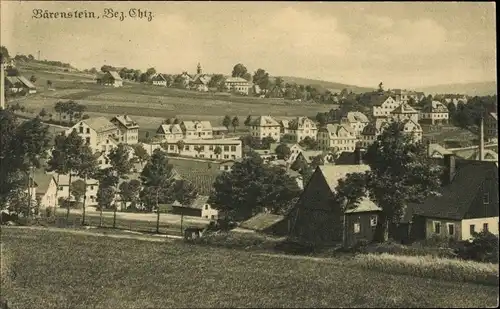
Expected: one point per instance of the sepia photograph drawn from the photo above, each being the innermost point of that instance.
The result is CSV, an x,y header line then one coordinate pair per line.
x,y
248,154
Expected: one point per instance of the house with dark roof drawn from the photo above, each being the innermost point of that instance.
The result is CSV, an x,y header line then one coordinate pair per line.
x,y
383,105
19,83
265,223
467,202
198,208
317,217
110,78
128,129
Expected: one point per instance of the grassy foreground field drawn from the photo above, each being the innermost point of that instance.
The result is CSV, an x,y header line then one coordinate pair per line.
x,y
44,269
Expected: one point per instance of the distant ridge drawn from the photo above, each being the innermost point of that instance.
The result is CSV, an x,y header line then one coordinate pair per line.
x,y
326,85
472,89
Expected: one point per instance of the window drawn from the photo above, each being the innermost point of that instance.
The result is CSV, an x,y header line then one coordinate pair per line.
x,y
100,161
437,227
81,129
60,188
485,227
357,228
87,140
206,207
226,148
373,220
91,187
211,148
88,130
226,156
233,148
486,198
451,229
186,147
213,217
172,147
226,167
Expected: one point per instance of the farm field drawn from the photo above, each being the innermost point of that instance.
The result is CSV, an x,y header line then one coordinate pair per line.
x,y
59,270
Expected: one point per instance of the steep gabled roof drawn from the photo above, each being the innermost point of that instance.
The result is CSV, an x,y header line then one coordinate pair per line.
x,y
42,180
334,129
125,120
26,82
378,100
159,77
404,108
356,117
236,80
455,199
115,75
264,121
261,221
99,124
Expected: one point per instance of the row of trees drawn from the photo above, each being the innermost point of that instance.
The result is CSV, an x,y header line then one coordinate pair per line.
x,y
469,115
71,108
234,122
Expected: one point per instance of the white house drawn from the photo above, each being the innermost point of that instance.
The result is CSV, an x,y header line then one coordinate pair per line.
x,y
412,128
356,120
404,111
92,188
171,132
128,130
237,84
46,189
383,105
302,127
435,113
228,148
371,131
197,129
264,126
338,136
159,80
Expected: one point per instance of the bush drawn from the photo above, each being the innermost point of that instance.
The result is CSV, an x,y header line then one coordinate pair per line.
x,y
294,246
391,247
483,248
234,240
430,267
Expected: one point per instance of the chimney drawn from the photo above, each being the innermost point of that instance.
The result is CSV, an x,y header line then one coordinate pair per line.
x,y
449,166
481,140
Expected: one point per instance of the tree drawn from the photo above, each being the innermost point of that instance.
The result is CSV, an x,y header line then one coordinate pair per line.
x,y
144,77
87,167
247,76
198,149
400,173
177,120
78,189
33,79
251,187
248,120
227,121
184,192
216,81
322,119
235,122
121,166
42,113
157,176
105,196
239,70
261,78
279,82
60,108
217,151
150,72
283,152
250,141
168,121
66,158
134,188
34,142
267,141
309,143
4,52
140,153
180,145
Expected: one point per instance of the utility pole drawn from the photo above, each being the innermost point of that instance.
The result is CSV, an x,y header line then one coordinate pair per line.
x,y
2,83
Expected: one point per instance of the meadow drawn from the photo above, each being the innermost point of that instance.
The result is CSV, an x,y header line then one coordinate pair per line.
x,y
45,269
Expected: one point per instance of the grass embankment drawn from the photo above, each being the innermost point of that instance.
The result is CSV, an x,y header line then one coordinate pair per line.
x,y
58,270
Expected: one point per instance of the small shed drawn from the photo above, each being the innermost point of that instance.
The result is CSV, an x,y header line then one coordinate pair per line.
x,y
267,223
361,222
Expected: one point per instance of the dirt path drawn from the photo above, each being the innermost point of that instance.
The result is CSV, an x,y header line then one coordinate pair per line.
x,y
134,235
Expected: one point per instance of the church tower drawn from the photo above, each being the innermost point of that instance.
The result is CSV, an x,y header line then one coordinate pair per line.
x,y
198,69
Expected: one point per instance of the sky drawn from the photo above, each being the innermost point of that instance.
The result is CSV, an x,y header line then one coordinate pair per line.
x,y
404,45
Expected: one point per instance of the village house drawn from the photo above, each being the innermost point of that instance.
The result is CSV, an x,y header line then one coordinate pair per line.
x,y
159,80
128,130
434,113
46,189
284,126
197,208
416,96
265,223
228,148
401,96
371,131
171,132
219,131
100,134
338,136
264,126
437,151
356,120
491,126
404,111
237,84
317,218
413,128
110,78
467,202
197,129
300,128
19,83
307,156
186,79
63,189
383,105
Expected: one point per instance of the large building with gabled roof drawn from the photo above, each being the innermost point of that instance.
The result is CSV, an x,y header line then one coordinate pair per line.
x,y
264,126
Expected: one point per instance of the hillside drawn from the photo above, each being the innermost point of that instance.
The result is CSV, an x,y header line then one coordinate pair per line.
x,y
472,89
332,86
